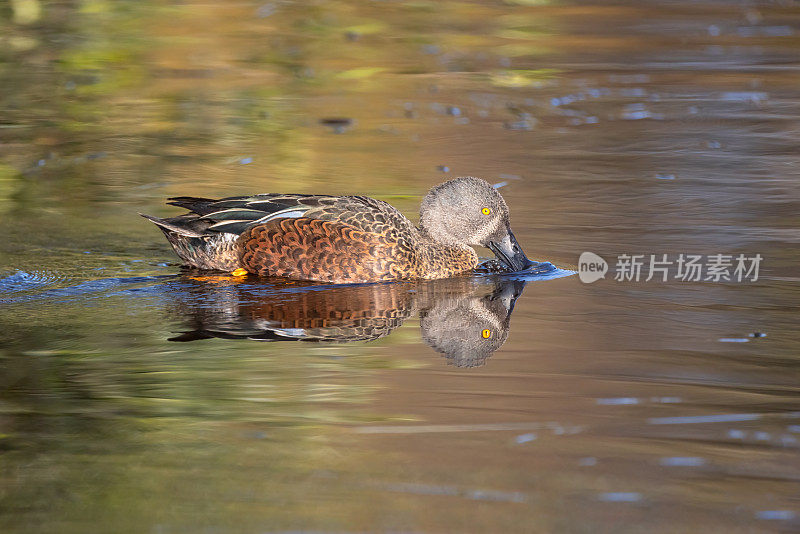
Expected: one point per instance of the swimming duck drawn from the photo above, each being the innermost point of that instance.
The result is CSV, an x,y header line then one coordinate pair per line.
x,y
345,239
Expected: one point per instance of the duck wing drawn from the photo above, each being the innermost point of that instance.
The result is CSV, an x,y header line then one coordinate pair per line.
x,y
234,215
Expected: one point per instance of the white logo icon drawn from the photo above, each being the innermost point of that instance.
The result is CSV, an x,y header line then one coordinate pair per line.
x,y
591,267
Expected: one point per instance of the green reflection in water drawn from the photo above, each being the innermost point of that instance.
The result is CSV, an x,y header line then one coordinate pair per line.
x,y
243,435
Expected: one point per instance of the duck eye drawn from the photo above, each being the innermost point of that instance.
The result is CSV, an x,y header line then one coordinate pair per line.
x,y
486,334
486,211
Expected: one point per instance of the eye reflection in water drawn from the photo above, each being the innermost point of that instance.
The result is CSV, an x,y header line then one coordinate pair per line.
x,y
468,328
465,318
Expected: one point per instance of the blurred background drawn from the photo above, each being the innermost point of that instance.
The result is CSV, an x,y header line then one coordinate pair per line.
x,y
618,127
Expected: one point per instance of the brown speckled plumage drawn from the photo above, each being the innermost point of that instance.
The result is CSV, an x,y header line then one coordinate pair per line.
x,y
331,251
339,239
320,250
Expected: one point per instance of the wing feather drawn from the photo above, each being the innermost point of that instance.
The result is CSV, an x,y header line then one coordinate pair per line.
x,y
235,215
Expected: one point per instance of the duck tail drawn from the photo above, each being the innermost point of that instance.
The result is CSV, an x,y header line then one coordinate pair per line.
x,y
171,225
198,205
197,249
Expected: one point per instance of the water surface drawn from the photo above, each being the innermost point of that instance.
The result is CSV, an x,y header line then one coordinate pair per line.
x,y
137,398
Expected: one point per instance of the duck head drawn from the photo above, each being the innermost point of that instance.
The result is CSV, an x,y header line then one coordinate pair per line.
x,y
469,211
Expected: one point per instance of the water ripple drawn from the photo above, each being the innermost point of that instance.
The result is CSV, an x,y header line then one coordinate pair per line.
x,y
21,281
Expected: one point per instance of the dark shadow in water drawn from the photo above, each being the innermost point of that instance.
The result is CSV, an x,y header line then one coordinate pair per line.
x,y
465,318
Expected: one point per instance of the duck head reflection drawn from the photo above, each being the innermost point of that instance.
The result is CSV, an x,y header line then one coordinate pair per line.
x,y
466,318
468,327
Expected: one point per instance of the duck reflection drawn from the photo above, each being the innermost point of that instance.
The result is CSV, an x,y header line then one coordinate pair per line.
x,y
287,311
466,319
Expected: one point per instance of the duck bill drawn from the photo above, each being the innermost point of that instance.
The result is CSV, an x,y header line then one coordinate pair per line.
x,y
510,253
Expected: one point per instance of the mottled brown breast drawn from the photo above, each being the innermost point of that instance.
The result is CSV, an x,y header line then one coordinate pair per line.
x,y
326,251
436,260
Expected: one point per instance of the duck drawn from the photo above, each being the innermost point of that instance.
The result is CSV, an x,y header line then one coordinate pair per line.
x,y
345,239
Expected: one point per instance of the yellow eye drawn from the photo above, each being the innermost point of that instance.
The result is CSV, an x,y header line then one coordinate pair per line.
x,y
486,334
486,211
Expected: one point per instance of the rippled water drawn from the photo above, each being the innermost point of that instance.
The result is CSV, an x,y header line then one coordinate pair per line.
x,y
138,398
